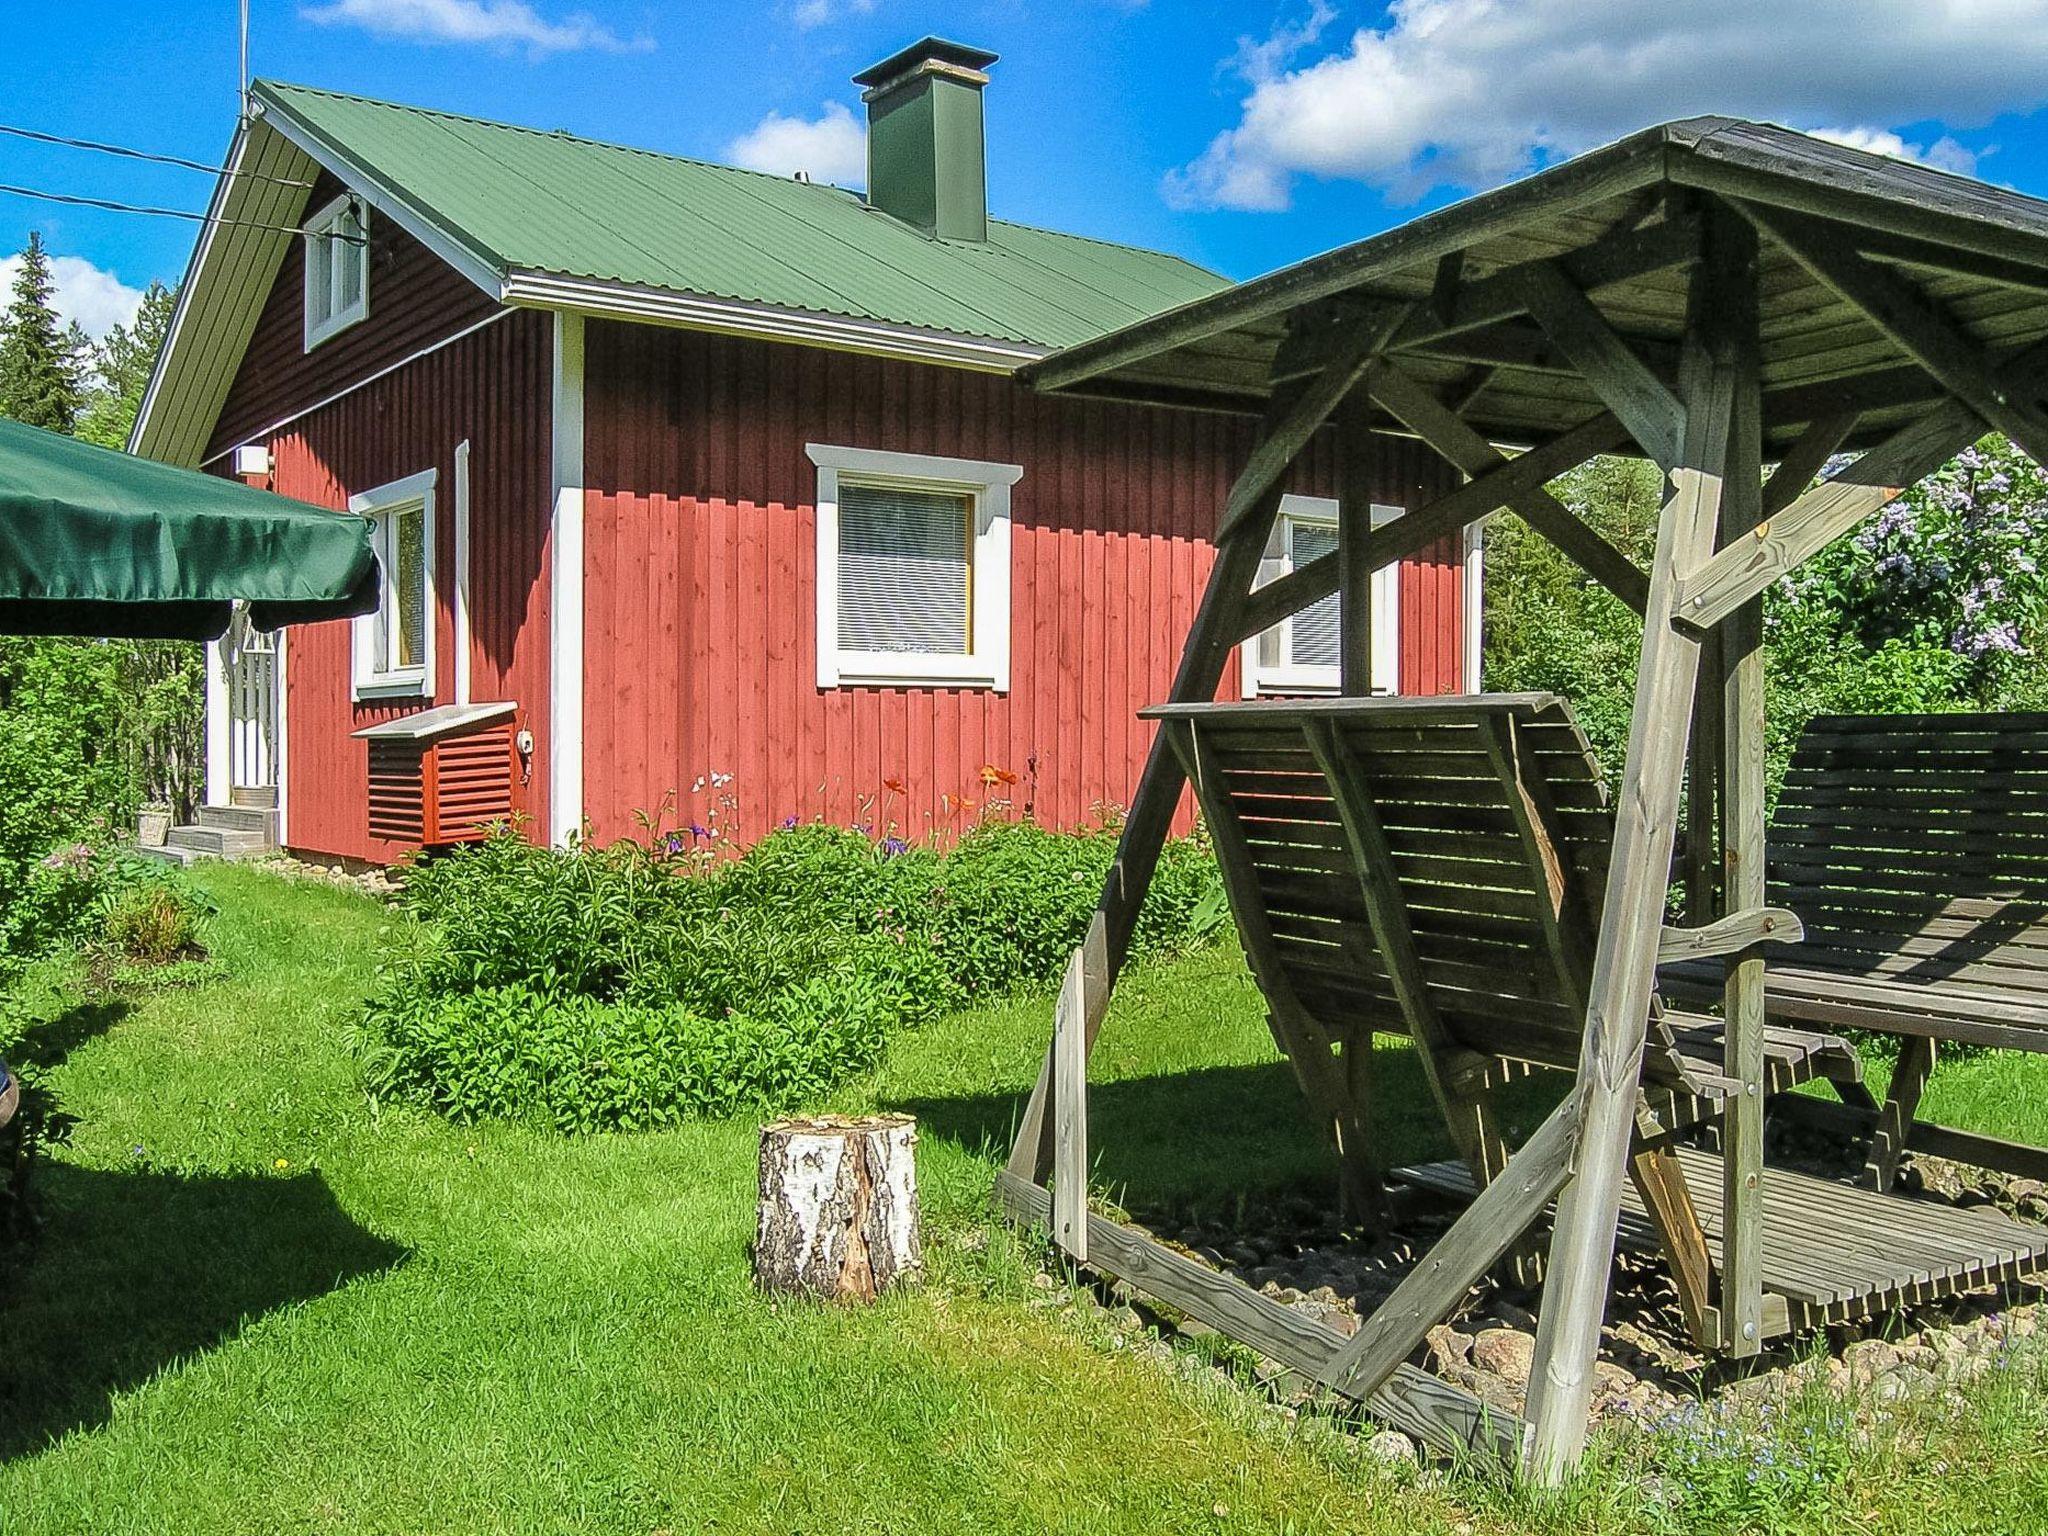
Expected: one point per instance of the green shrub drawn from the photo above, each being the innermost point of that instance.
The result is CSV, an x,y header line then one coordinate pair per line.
x,y
637,983
152,924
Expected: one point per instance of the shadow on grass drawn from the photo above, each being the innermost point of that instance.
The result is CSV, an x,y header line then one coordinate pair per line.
x,y
136,1271
1215,1140
46,1043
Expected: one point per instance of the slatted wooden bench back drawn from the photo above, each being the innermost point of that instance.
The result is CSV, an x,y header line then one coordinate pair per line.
x,y
1474,827
1915,849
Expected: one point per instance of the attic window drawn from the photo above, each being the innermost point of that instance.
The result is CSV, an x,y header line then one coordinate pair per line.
x,y
337,269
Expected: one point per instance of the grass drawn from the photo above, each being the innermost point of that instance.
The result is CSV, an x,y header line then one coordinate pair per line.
x,y
260,1305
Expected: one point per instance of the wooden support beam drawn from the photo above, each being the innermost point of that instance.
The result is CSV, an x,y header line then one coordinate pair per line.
x,y
1742,570
1212,636
1660,1181
1495,1221
1449,1420
1420,527
1303,418
1915,322
1563,914
2009,1157
1358,467
1730,935
1737,652
1087,975
1888,1138
1806,458
1440,427
1305,1042
1387,912
1631,919
1623,380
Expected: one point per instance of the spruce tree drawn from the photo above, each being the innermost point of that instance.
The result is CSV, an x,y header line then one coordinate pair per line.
x,y
39,381
124,362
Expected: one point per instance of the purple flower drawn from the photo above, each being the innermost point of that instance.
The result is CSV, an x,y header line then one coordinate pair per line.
x,y
891,846
698,831
788,822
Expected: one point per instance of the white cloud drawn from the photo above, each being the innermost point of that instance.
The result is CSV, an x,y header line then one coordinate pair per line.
x,y
815,13
495,23
832,146
95,298
1944,154
1468,93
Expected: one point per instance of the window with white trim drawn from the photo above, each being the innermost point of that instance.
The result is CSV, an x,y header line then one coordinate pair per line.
x,y
1301,654
337,268
394,647
913,569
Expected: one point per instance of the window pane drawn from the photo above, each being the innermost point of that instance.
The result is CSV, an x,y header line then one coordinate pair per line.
x,y
905,564
1312,633
409,587
348,259
319,277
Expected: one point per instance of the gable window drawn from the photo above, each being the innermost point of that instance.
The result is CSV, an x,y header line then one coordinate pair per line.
x,y
337,268
913,569
1302,653
394,647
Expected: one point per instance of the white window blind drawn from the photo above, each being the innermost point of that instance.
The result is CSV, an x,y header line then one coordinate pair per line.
x,y
1312,634
906,570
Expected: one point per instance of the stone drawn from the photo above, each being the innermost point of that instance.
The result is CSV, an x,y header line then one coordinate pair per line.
x,y
1448,1347
1392,1447
1868,1359
1505,1353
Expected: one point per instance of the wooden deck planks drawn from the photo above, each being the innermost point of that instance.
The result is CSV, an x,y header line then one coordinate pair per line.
x,y
1829,1246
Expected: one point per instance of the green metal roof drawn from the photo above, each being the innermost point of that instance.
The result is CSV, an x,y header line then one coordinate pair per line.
x,y
522,200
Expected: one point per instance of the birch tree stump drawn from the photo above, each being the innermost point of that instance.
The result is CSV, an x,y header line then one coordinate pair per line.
x,y
839,1217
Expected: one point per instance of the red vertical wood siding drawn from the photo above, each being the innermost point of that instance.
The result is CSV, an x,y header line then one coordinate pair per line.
x,y
492,388
416,299
701,570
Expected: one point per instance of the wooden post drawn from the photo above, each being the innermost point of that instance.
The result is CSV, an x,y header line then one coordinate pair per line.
x,y
839,1218
1631,920
1901,1105
1240,544
1085,973
1354,535
1737,649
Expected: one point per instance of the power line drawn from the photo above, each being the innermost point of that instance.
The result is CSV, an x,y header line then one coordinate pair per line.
x,y
73,200
40,137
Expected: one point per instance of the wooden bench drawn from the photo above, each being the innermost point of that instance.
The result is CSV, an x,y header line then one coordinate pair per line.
x,y
1914,848
1434,867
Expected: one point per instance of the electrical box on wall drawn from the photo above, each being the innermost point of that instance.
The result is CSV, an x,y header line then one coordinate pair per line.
x,y
441,776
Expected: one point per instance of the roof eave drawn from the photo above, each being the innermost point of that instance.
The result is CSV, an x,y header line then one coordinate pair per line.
x,y
1619,168
452,244
735,317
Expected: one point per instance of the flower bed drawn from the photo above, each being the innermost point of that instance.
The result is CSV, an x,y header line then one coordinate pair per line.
x,y
639,984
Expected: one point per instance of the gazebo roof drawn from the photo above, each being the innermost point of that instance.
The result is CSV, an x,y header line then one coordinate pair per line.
x,y
1614,221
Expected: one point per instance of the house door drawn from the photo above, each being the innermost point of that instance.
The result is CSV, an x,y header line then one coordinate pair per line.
x,y
252,706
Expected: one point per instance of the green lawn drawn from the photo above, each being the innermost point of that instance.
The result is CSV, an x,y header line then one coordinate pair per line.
x,y
261,1306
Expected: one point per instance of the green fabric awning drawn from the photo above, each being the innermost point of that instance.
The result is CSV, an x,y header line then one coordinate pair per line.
x,y
94,542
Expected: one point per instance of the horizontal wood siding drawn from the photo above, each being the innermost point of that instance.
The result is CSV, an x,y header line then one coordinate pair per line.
x,y
701,617
416,299
493,389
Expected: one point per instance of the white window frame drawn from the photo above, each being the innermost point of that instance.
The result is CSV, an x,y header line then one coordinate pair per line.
x,y
987,662
1287,678
368,681
323,270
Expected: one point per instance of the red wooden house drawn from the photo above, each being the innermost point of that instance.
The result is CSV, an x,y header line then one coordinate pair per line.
x,y
703,485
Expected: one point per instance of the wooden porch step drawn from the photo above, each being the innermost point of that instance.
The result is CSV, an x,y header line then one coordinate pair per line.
x,y
1832,1250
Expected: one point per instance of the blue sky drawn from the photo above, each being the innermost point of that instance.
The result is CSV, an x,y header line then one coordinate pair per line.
x,y
1240,135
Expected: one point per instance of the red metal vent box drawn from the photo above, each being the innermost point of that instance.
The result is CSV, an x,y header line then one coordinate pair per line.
x,y
441,776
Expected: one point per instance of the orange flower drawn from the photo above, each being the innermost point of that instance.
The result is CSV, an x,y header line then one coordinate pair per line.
x,y
991,775
895,786
954,803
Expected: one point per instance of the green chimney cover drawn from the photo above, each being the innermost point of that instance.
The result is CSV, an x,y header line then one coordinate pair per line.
x,y
926,162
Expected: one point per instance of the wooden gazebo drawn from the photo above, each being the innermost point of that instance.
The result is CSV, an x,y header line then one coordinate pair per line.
x,y
1717,296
